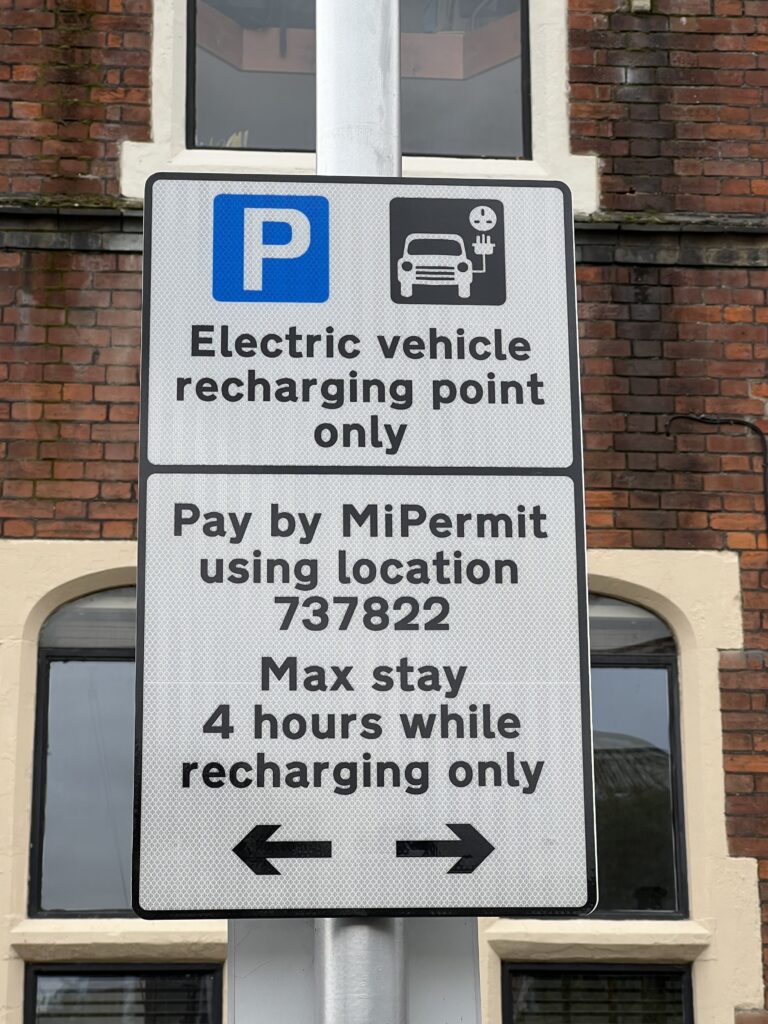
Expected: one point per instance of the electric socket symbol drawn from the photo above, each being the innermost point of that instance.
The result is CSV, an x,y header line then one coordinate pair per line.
x,y
482,218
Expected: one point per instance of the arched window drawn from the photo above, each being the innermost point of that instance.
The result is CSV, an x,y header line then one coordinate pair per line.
x,y
638,796
640,849
83,788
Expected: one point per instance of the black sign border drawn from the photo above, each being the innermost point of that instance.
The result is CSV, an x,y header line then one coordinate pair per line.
x,y
575,472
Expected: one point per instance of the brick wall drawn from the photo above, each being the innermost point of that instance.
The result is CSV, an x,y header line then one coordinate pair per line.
x,y
674,102
744,689
657,340
74,77
69,393
675,322
660,340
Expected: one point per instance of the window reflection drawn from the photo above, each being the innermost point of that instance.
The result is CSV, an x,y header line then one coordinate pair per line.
x,y
87,813
617,627
618,996
463,76
104,619
173,997
633,789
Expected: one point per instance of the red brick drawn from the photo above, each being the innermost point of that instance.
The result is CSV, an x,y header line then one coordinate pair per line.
x,y
116,510
66,489
75,411
118,531
17,528
68,529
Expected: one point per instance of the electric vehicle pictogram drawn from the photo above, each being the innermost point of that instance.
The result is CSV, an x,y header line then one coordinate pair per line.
x,y
434,260
431,259
447,251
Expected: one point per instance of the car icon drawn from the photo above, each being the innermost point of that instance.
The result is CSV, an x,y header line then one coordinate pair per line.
x,y
434,260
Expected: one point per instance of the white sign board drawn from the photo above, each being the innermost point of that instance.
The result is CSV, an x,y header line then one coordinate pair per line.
x,y
363,667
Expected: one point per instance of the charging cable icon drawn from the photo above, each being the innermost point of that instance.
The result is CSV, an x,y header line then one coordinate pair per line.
x,y
482,219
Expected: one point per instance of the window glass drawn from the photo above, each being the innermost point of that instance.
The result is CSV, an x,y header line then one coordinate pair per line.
x,y
463,77
617,626
87,812
608,996
104,619
463,67
83,808
638,832
125,997
633,789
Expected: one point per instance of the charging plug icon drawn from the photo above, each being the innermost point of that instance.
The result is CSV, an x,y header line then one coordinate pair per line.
x,y
483,219
483,246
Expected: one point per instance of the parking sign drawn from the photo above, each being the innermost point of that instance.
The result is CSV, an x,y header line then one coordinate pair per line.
x,y
269,248
362,659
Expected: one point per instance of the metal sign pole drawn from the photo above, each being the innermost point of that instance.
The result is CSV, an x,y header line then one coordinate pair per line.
x,y
359,970
358,88
359,963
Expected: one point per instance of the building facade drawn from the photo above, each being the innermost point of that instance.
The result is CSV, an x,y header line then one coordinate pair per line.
x,y
654,112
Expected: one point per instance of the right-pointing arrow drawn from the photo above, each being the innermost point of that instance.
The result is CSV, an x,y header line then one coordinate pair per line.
x,y
470,847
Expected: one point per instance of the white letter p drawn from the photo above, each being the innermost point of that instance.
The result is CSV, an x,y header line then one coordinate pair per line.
x,y
255,251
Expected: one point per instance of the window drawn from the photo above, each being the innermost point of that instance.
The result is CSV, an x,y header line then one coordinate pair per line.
x,y
600,995
464,76
532,124
83,787
146,995
638,802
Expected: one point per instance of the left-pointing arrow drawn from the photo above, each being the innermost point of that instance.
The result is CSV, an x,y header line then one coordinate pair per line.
x,y
254,850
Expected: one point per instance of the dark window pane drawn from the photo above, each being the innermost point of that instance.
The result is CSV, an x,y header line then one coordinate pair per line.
x,y
151,997
462,76
595,997
633,789
252,110
86,863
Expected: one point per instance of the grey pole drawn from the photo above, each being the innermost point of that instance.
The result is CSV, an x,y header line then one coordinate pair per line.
x,y
358,87
358,961
359,971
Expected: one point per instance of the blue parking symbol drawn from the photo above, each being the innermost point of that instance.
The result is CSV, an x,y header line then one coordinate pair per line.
x,y
270,248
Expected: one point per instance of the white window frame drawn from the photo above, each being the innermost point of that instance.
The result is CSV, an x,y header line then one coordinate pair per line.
x,y
550,120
